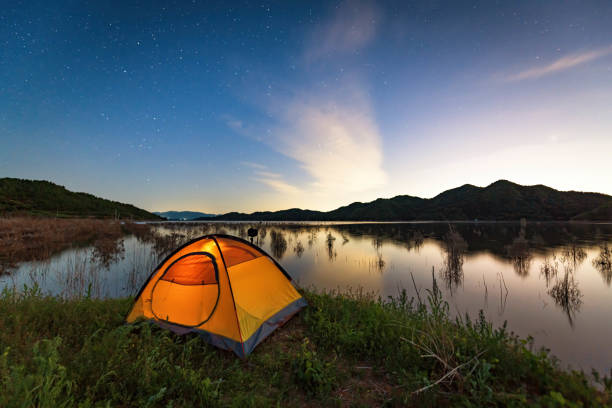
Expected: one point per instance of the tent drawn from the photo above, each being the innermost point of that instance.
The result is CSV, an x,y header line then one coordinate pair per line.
x,y
222,287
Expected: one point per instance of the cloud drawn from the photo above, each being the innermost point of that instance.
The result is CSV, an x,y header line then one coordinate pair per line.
x,y
351,28
561,64
271,179
330,132
253,165
335,141
279,185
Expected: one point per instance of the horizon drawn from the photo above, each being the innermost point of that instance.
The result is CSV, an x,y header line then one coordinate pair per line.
x,y
346,204
221,107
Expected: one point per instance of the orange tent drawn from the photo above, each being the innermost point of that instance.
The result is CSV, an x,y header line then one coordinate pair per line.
x,y
222,287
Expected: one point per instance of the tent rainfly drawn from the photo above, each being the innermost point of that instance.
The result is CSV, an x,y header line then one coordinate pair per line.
x,y
222,287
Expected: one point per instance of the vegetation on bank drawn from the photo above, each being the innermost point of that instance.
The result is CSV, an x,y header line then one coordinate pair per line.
x,y
344,350
36,238
43,198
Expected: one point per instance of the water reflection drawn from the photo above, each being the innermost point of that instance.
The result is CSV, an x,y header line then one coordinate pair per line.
x,y
549,269
574,253
567,295
513,271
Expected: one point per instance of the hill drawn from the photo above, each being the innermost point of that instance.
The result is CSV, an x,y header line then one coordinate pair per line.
x,y
502,201
183,215
37,197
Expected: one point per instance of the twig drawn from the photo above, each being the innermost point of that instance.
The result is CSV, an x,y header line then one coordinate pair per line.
x,y
415,288
453,372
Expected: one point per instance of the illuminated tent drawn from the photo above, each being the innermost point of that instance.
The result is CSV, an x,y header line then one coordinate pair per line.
x,y
224,288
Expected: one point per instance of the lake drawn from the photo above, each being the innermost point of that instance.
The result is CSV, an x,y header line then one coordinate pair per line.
x,y
551,281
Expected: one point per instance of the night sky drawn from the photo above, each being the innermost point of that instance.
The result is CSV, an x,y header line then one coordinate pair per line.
x,y
249,106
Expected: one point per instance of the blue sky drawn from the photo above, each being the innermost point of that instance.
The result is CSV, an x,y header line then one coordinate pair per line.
x,y
262,106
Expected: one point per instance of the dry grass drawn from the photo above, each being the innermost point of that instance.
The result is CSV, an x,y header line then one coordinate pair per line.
x,y
24,239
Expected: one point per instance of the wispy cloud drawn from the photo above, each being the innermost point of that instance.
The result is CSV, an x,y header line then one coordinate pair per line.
x,y
330,132
269,178
279,185
562,64
336,141
253,165
352,26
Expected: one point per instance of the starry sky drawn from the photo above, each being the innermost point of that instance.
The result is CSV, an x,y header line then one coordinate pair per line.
x,y
243,106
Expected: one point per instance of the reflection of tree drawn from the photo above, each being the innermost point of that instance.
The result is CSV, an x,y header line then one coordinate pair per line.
x,y
454,247
330,246
603,263
520,254
549,269
107,250
312,238
574,254
377,243
567,295
261,236
278,243
416,240
298,249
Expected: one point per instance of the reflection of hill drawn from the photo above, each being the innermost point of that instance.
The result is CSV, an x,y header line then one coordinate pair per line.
x,y
500,239
495,238
501,200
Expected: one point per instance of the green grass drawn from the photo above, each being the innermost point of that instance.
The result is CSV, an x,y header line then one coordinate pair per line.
x,y
343,350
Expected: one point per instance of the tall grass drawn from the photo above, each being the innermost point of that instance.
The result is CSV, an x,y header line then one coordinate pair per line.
x,y
344,349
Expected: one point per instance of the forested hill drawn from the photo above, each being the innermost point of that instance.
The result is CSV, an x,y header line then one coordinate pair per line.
x,y
502,200
36,197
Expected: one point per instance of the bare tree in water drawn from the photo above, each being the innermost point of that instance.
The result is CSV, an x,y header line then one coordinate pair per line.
x,y
454,247
377,243
566,294
278,243
520,253
549,269
603,263
298,249
331,253
574,253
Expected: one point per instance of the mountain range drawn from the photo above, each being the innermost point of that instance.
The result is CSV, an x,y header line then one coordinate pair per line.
x,y
183,215
502,201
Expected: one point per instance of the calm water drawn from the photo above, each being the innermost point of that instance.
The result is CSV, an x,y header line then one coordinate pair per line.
x,y
543,278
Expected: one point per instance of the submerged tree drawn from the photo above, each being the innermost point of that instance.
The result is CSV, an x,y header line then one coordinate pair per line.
x,y
331,253
567,295
549,269
454,247
377,243
298,249
417,240
603,263
574,253
520,254
278,243
312,237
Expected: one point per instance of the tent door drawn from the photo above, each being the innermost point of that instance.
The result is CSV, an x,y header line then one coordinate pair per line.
x,y
188,291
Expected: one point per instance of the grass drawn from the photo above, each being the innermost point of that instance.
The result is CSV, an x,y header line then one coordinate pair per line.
x,y
343,350
36,238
